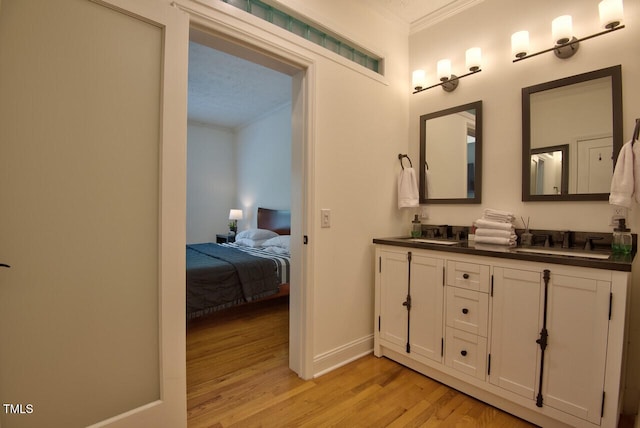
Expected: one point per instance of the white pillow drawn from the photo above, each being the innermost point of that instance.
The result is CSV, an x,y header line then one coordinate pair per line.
x,y
246,242
281,241
277,250
256,234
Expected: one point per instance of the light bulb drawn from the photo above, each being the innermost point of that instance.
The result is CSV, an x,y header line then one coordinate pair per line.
x,y
611,13
520,44
473,59
562,29
444,69
418,79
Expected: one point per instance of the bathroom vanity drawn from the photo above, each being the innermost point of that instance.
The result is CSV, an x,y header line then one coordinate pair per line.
x,y
540,335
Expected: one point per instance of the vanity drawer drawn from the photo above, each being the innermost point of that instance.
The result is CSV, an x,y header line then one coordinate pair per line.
x,y
466,352
471,276
467,310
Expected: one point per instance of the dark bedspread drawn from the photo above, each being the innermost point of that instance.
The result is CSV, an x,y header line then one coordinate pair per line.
x,y
219,276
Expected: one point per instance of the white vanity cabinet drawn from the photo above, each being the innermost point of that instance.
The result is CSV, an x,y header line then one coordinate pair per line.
x,y
540,340
410,317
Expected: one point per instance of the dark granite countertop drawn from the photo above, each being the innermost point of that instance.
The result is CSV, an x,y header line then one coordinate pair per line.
x,y
613,262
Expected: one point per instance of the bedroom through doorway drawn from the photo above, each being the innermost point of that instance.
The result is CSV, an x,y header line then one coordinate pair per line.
x,y
238,163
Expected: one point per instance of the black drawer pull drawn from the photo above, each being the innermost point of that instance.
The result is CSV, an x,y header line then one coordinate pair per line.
x,y
465,311
463,353
465,276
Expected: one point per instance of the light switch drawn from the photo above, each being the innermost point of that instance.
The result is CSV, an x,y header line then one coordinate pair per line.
x,y
325,217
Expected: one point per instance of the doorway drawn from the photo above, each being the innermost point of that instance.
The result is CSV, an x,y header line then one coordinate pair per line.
x,y
299,338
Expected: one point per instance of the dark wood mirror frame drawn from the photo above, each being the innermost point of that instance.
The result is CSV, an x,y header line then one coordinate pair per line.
x,y
615,73
477,175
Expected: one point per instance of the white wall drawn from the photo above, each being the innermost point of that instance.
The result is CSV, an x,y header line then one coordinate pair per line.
x,y
264,164
242,168
211,181
490,25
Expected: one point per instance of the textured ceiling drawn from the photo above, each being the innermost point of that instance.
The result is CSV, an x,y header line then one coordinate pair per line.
x,y
230,92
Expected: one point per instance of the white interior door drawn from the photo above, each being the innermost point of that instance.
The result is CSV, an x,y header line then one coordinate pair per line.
x,y
595,165
92,221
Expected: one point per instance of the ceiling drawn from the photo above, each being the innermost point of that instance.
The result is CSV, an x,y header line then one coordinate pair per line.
x,y
420,14
230,92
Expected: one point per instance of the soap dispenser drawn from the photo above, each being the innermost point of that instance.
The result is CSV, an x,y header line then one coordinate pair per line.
x,y
416,227
622,240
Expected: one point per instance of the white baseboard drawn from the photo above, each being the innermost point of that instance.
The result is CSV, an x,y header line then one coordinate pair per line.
x,y
331,360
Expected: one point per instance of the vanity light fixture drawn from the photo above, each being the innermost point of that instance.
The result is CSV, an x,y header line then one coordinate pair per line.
x,y
566,44
448,82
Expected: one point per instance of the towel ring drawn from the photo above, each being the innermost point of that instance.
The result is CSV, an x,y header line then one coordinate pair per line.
x,y
401,156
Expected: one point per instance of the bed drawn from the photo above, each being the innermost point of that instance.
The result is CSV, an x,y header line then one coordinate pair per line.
x,y
255,267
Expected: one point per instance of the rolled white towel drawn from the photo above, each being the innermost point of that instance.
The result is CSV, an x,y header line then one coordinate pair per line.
x,y
492,247
490,224
497,233
495,240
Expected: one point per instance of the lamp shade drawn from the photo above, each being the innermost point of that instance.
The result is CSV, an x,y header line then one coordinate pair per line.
x,y
444,69
520,44
473,59
562,29
235,215
418,79
611,13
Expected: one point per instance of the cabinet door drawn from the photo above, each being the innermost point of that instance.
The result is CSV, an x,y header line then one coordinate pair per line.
x,y
427,298
394,281
577,322
516,320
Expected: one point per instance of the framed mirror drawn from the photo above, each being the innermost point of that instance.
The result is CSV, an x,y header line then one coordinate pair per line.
x,y
571,136
451,155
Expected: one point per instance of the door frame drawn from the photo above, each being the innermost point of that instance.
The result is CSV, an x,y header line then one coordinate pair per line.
x,y
229,29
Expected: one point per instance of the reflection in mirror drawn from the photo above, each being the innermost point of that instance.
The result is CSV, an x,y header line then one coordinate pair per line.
x,y
550,170
580,117
451,155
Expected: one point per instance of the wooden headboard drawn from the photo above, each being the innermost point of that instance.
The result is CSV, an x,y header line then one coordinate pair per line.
x,y
277,220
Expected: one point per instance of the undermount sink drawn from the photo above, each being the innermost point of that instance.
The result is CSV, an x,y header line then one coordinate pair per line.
x,y
561,252
434,241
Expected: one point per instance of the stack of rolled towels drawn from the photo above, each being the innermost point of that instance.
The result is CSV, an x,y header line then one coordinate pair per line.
x,y
496,228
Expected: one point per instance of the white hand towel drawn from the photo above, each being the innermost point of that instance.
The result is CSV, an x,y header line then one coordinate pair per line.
x,y
407,189
489,224
497,215
623,182
497,233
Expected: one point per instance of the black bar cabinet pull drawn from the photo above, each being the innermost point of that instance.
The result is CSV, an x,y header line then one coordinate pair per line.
x,y
4,265
542,341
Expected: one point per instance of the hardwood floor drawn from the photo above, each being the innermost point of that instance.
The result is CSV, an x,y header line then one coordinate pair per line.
x,y
238,376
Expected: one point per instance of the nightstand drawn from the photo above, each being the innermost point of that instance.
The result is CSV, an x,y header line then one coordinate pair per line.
x,y
225,237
